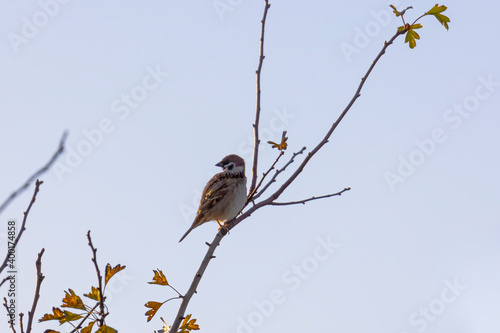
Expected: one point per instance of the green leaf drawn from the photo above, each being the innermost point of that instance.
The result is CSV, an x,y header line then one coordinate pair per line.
x,y
436,11
411,35
395,11
416,26
69,316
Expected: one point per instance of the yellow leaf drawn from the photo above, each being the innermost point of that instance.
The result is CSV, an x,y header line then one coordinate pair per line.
x,y
282,145
88,328
112,271
57,315
159,278
71,300
94,294
189,324
106,329
154,306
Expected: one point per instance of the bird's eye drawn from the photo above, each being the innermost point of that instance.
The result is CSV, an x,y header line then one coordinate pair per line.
x,y
230,166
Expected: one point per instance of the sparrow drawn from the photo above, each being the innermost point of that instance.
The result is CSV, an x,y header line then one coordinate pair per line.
x,y
224,195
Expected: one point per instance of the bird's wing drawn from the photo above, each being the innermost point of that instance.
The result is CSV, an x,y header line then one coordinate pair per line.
x,y
214,191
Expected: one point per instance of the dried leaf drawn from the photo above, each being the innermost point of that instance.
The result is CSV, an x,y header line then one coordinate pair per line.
x,y
57,315
106,329
189,324
112,271
154,306
282,145
159,278
88,328
71,300
94,294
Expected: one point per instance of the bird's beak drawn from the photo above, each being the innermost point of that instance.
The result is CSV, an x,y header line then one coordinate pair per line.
x,y
219,164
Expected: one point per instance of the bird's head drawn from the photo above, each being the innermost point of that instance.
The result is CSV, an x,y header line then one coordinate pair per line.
x,y
232,163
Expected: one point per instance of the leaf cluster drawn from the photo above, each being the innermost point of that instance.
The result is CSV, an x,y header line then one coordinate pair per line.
x,y
88,311
409,29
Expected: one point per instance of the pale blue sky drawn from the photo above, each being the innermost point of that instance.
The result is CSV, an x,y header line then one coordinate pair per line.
x,y
154,93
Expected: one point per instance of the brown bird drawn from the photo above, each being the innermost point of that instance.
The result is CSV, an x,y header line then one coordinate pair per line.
x,y
224,195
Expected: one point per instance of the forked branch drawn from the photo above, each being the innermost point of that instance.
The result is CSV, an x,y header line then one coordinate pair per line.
x,y
271,199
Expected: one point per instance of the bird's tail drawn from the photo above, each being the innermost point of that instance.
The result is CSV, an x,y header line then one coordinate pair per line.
x,y
187,233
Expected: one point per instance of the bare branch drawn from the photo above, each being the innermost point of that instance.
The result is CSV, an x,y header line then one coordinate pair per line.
x,y
257,108
310,199
37,174
12,328
99,279
273,179
192,289
39,280
264,175
5,279
21,315
287,183
23,226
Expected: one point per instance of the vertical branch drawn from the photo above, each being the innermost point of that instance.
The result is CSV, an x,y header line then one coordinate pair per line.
x,y
39,279
99,279
23,225
257,108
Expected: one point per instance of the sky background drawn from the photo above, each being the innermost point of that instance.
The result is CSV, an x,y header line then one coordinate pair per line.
x,y
413,247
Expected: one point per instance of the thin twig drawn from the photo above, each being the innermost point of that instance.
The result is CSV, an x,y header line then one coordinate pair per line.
x,y
21,315
257,108
4,280
77,327
13,329
264,175
273,179
37,174
310,199
23,225
99,278
39,280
